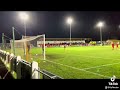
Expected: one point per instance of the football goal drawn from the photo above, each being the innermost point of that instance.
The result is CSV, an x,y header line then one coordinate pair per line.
x,y
28,47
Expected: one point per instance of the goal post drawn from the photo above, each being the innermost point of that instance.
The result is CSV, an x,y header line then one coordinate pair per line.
x,y
41,44
3,41
44,46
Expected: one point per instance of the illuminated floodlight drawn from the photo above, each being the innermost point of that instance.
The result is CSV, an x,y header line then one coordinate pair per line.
x,y
100,24
69,20
24,16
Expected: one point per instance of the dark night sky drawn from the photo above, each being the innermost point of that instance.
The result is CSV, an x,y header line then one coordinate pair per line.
x,y
53,24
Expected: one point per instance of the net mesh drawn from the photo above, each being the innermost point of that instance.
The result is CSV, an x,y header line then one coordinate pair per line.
x,y
26,46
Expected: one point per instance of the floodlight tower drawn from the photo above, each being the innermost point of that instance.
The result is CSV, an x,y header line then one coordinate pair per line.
x,y
69,21
24,16
100,25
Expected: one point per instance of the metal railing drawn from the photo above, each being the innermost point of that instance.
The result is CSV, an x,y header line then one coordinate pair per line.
x,y
47,75
24,69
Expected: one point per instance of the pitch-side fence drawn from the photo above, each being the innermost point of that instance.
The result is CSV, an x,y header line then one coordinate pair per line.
x,y
24,69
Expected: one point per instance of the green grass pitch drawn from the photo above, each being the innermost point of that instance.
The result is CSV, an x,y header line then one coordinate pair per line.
x,y
88,62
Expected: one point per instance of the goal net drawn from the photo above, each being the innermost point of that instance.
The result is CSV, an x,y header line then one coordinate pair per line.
x,y
28,47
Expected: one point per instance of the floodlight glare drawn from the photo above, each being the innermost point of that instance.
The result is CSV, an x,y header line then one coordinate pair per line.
x,y
69,20
100,24
119,26
23,16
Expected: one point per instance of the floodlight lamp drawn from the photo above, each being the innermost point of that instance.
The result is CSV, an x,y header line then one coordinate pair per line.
x,y
119,26
23,16
100,24
69,20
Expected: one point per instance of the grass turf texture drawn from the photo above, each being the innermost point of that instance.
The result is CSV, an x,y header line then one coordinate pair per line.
x,y
89,62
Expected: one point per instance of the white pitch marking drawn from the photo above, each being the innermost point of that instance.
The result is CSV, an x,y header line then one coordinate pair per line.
x,y
102,65
79,69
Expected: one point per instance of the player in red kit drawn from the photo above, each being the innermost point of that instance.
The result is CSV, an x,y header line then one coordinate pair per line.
x,y
113,45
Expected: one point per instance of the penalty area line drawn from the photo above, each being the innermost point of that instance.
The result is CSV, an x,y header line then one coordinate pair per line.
x,y
79,69
101,66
